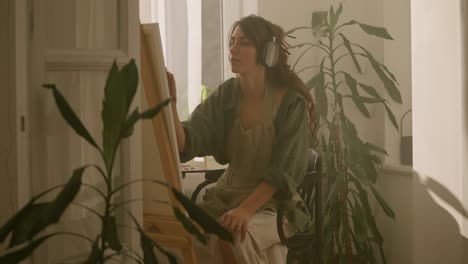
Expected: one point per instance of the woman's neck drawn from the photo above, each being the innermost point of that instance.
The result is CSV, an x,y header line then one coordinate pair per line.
x,y
252,85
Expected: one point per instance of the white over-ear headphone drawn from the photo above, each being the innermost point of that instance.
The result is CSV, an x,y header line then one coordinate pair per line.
x,y
271,50
271,53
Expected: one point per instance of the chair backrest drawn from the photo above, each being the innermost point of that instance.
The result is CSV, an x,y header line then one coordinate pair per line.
x,y
310,190
310,187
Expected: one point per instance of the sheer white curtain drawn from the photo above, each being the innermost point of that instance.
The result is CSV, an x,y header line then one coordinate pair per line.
x,y
233,11
180,24
182,35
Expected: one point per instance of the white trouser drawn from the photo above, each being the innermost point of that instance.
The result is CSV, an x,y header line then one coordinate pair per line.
x,y
261,245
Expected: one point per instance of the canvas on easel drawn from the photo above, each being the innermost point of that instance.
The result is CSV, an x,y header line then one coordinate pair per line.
x,y
160,154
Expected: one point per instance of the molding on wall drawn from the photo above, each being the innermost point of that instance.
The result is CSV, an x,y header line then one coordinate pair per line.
x,y
83,60
397,169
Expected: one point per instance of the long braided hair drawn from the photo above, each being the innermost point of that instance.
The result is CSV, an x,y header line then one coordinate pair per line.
x,y
260,31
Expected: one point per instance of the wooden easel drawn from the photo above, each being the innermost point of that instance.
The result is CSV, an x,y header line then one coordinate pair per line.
x,y
161,225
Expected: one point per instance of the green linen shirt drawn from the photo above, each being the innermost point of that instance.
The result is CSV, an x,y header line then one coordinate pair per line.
x,y
207,130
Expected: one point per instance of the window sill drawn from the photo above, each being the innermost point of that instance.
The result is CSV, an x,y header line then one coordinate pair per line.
x,y
397,169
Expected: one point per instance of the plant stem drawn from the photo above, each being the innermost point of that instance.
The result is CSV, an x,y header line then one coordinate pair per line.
x,y
107,210
338,157
332,63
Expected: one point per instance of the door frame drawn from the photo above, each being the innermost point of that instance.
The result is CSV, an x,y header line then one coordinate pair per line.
x,y
131,153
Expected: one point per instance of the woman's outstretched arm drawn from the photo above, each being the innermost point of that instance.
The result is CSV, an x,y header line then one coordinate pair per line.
x,y
180,133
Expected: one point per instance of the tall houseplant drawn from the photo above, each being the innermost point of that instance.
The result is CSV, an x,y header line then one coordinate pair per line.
x,y
28,227
350,163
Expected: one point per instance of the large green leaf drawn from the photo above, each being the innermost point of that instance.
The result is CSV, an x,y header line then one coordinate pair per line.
x,y
359,223
361,162
352,84
321,99
67,195
368,212
349,130
389,73
34,218
130,123
351,22
312,83
376,148
319,20
111,234
208,224
391,116
368,100
148,249
332,192
69,115
150,113
360,159
375,31
365,160
118,93
382,254
338,13
327,241
387,209
129,74
347,44
376,159
147,245
289,32
95,255
389,84
22,253
332,18
370,90
188,225
324,143
31,222
322,64
136,115
13,221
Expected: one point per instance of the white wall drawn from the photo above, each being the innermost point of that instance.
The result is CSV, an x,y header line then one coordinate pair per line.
x,y
395,185
396,182
439,129
397,56
464,27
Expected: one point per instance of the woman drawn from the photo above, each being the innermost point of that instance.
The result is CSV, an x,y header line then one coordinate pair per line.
x,y
258,123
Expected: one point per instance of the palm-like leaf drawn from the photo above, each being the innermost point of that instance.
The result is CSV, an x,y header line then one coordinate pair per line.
x,y
35,217
70,116
22,253
208,224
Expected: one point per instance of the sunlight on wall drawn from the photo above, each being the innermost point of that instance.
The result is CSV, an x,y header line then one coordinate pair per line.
x,y
439,155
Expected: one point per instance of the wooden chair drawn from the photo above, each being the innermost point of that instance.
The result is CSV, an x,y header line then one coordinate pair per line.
x,y
303,247
211,176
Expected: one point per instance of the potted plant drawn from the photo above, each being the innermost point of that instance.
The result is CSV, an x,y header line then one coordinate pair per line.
x,y
28,227
350,164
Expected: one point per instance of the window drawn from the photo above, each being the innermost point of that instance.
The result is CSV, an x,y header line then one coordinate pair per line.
x,y
194,35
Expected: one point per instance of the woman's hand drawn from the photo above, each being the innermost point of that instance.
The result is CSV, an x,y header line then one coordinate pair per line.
x,y
236,220
172,85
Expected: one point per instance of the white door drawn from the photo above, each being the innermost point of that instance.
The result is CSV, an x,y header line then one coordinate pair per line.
x,y
73,43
